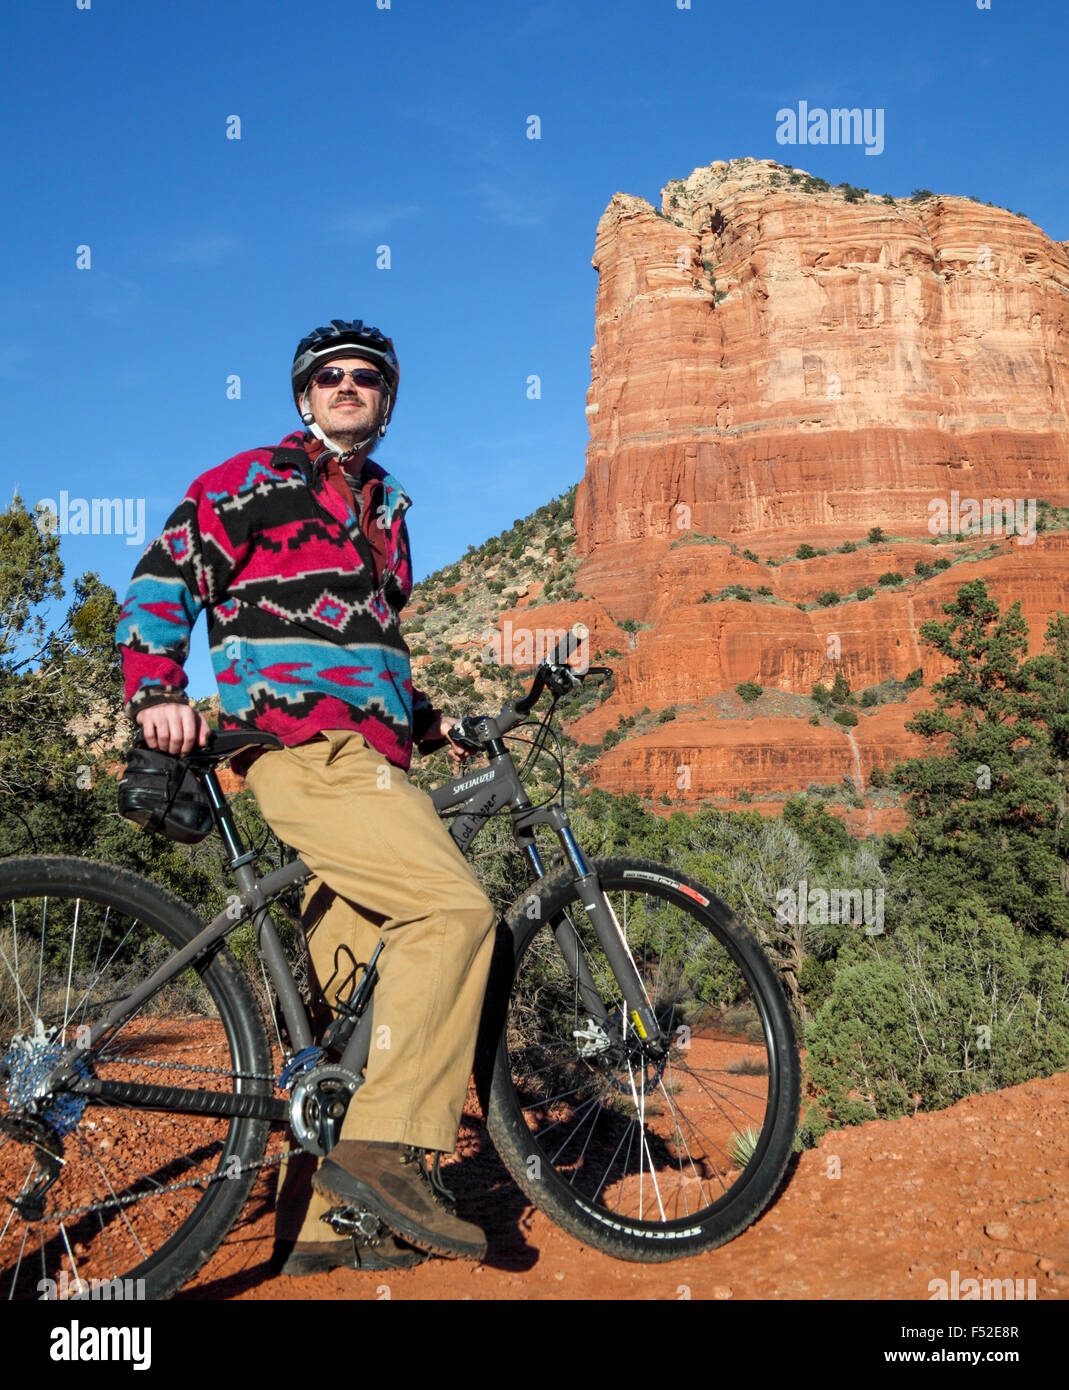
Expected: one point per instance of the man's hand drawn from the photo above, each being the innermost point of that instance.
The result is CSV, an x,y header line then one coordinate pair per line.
x,y
440,729
173,728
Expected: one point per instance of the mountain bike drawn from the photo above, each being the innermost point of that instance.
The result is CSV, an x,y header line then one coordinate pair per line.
x,y
637,1063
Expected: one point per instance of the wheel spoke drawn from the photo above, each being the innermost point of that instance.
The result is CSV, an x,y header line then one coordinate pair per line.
x,y
125,1182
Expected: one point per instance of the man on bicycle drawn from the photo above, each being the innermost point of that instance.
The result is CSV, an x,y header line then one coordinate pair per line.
x,y
299,556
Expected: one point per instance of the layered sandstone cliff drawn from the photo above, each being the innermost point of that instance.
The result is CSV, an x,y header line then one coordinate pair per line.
x,y
775,367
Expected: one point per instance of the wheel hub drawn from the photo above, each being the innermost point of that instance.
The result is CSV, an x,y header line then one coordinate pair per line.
x,y
624,1058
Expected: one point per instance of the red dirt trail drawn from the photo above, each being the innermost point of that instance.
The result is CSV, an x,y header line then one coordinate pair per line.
x,y
874,1212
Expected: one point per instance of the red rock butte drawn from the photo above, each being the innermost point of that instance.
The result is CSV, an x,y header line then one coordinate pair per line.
x,y
774,367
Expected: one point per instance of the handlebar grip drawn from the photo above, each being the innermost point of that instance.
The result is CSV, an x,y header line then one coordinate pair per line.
x,y
462,734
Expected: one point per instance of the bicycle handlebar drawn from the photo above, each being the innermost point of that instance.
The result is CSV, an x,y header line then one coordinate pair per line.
x,y
559,677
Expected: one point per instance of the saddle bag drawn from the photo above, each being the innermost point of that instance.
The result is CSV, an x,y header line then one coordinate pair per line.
x,y
160,793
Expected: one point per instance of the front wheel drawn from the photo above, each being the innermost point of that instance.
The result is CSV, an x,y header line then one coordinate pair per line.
x,y
646,1153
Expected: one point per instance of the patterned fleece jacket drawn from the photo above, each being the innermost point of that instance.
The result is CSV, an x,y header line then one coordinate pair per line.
x,y
303,601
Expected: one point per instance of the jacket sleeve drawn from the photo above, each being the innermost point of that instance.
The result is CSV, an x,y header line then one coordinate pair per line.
x,y
187,568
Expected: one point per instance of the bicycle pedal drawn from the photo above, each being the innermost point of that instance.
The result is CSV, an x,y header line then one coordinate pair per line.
x,y
354,1221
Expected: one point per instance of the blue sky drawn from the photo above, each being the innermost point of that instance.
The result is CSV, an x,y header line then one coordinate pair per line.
x,y
406,126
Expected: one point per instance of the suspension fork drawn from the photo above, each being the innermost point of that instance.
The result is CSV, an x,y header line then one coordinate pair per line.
x,y
606,927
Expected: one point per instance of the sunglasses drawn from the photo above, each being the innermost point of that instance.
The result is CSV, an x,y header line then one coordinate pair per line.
x,y
334,376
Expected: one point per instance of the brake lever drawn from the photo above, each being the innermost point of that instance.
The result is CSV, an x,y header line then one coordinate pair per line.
x,y
562,679
461,733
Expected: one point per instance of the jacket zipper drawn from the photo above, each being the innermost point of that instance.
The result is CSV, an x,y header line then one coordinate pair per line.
x,y
391,569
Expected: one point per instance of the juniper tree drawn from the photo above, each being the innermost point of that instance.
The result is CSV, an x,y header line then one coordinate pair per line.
x,y
987,806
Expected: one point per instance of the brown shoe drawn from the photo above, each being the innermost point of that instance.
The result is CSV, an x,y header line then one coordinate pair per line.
x,y
392,1181
305,1257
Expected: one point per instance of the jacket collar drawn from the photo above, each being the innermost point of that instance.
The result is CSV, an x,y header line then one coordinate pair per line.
x,y
309,450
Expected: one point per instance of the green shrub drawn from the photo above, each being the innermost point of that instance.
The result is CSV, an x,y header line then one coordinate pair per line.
x,y
743,1146
846,717
666,716
869,698
942,563
848,547
805,551
840,690
891,577
923,568
829,598
749,691
876,535
877,777
915,678
866,591
749,555
945,1007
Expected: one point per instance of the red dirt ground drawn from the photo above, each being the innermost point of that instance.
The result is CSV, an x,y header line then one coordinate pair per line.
x,y
874,1212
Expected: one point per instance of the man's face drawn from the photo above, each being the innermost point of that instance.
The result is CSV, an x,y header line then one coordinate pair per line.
x,y
347,412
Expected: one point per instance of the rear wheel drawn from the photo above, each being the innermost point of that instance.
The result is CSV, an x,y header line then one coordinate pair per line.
x,y
645,1155
138,1194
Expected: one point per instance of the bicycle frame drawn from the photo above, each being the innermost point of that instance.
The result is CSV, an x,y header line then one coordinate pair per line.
x,y
477,795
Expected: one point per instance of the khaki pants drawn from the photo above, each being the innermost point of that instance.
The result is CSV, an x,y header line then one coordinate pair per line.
x,y
384,866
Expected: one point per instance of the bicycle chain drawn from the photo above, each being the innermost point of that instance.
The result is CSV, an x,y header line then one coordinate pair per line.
x,y
189,1182
186,1066
171,1187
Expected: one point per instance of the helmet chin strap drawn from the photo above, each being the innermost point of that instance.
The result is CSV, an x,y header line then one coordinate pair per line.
x,y
335,448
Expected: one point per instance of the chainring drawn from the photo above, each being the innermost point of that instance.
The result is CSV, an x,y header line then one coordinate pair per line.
x,y
319,1101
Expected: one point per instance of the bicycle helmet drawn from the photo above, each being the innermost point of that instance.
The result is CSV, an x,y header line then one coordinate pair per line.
x,y
344,338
